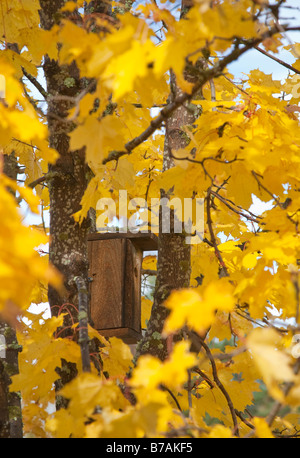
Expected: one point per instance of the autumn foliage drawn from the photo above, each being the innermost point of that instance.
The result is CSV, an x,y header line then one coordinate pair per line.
x,y
232,333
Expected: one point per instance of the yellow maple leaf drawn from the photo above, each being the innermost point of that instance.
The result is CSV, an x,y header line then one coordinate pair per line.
x,y
146,311
41,355
117,358
249,260
123,176
220,431
240,187
262,428
272,362
98,137
20,264
197,308
62,425
121,72
151,372
88,390
17,16
149,262
18,61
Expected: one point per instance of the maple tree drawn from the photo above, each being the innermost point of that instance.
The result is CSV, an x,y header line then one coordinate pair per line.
x,y
102,97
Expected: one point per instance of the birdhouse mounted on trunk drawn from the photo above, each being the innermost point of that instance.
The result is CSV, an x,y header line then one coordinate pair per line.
x,y
115,268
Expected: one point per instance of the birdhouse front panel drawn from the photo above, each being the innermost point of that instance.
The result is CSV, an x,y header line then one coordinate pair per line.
x,y
115,271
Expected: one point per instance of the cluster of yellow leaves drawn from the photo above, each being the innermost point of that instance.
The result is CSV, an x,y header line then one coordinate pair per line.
x,y
269,357
245,142
20,23
41,355
16,123
20,132
196,307
88,392
21,266
101,407
18,17
110,60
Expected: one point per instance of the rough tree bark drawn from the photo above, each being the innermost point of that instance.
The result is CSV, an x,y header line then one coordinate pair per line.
x,y
10,403
68,239
69,178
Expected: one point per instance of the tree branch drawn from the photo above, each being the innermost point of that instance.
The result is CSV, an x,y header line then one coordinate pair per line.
x,y
279,61
217,381
206,75
230,204
148,272
35,82
277,406
47,177
165,388
39,180
212,235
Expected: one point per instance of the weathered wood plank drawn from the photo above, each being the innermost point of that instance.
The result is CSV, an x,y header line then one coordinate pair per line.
x,y
115,268
145,241
106,270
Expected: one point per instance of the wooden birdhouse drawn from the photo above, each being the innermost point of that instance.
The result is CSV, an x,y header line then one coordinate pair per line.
x,y
115,270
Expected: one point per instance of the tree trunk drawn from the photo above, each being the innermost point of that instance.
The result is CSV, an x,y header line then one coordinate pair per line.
x,y
69,178
11,425
174,254
173,262
68,239
10,403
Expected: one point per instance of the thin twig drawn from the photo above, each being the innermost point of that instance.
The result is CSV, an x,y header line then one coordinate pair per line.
x,y
280,205
220,384
243,419
204,376
47,177
229,356
32,101
274,412
39,180
165,388
212,235
35,83
75,101
189,390
209,158
240,213
279,61
235,85
148,272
